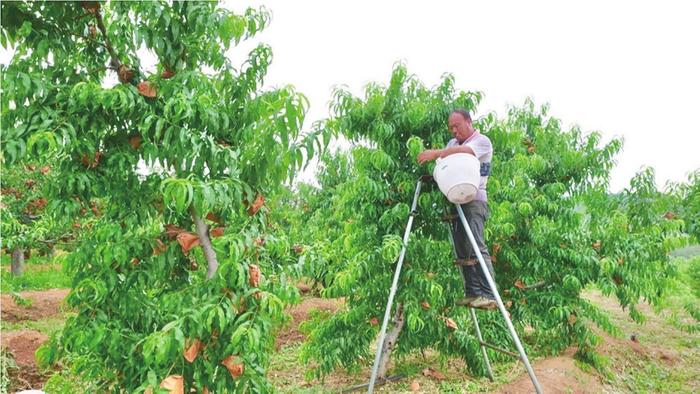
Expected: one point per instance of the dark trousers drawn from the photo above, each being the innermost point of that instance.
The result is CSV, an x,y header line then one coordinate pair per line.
x,y
475,283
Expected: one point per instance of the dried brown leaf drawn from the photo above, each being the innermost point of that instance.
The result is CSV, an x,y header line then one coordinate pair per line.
x,y
234,365
174,383
192,350
253,275
187,241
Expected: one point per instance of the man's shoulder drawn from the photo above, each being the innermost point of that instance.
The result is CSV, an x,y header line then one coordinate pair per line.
x,y
483,138
452,142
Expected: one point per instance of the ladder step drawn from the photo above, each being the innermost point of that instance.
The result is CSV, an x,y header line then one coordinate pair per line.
x,y
498,349
465,262
449,218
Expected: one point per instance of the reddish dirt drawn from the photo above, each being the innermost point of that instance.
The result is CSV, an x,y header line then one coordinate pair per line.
x,y
290,333
556,375
22,344
561,375
45,303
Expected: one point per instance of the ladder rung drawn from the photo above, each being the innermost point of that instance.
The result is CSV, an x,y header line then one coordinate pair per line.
x,y
498,349
448,218
465,262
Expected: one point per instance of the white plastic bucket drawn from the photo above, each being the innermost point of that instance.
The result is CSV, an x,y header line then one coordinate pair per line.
x,y
458,177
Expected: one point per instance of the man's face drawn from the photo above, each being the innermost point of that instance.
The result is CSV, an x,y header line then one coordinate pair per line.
x,y
460,127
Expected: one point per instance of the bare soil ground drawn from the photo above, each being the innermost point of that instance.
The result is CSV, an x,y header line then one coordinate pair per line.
x,y
640,345
556,375
22,344
299,313
45,304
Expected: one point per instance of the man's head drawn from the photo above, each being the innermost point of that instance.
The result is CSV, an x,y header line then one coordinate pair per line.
x,y
460,124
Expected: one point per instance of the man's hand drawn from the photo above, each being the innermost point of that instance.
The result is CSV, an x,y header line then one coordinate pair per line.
x,y
428,155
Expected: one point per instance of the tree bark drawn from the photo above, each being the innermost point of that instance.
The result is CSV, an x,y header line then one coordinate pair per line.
x,y
390,342
17,261
114,59
205,241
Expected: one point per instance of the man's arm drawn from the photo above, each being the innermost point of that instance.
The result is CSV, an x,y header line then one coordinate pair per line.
x,y
434,154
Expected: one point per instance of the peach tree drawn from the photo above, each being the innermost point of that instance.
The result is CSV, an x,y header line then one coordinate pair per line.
x,y
173,287
25,226
552,231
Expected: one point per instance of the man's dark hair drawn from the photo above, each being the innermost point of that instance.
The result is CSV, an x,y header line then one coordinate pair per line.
x,y
465,114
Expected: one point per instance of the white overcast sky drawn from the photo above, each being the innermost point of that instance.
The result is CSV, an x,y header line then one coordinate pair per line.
x,y
629,69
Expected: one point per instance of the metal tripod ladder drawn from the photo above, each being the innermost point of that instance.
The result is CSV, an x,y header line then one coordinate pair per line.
x,y
492,285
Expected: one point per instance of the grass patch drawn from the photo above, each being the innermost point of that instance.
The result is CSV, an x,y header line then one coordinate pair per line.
x,y
35,259
668,352
681,304
46,326
35,277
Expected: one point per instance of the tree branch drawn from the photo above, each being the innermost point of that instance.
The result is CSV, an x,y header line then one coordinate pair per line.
x,y
205,242
113,55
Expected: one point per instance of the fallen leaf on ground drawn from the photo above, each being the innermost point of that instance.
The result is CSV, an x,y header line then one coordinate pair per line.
x,y
433,374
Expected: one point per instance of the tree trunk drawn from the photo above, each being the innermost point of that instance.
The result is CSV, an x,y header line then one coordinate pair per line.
x,y
17,261
390,342
204,240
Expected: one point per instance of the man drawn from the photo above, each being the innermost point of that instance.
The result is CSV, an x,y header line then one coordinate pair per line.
x,y
467,140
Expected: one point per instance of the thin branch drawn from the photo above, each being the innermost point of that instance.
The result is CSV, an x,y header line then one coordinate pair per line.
x,y
101,25
55,240
86,38
100,69
535,285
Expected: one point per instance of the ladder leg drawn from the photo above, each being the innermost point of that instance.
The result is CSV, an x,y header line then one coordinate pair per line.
x,y
471,310
481,342
454,253
392,292
501,307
